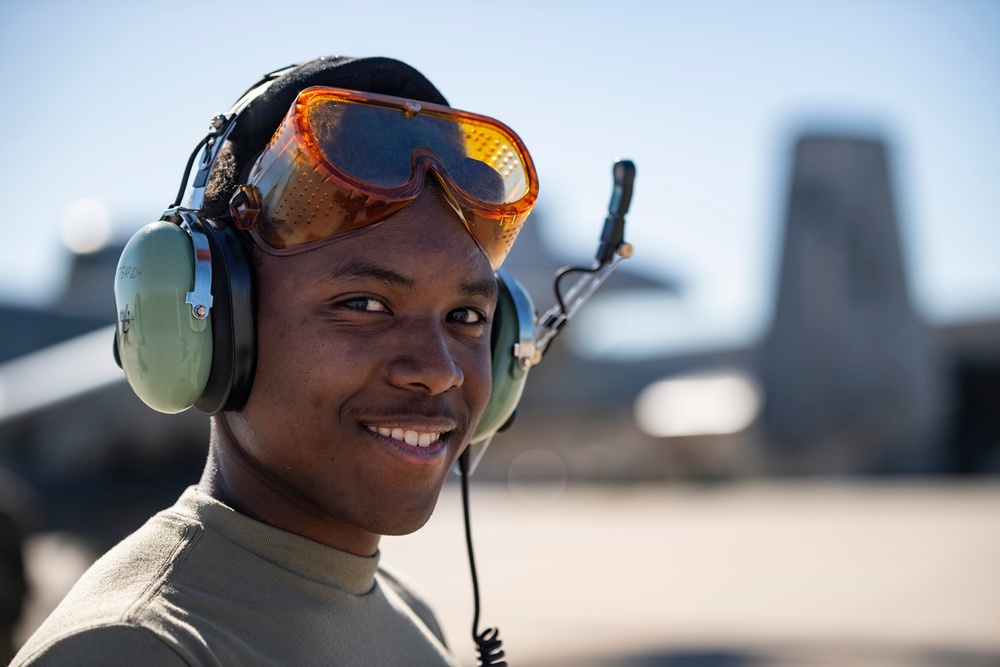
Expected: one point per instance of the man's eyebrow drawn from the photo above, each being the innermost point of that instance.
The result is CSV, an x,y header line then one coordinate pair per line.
x,y
357,268
486,288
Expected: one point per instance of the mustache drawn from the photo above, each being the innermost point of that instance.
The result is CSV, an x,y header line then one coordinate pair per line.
x,y
429,408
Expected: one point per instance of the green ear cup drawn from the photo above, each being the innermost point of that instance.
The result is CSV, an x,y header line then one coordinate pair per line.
x,y
515,318
165,351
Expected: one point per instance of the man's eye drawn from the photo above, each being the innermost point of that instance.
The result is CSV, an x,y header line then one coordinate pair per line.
x,y
366,303
468,316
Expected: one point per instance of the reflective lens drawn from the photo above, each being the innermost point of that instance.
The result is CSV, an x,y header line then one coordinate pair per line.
x,y
343,160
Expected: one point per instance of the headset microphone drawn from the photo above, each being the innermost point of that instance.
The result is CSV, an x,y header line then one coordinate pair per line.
x,y
528,337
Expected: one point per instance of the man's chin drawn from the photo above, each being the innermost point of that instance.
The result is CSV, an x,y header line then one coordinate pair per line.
x,y
409,522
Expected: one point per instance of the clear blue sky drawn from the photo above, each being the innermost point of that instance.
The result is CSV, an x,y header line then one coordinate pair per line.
x,y
105,100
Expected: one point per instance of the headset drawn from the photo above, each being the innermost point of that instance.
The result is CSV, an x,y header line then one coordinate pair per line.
x,y
184,290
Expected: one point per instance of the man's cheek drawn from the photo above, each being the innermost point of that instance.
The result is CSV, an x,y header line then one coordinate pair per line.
x,y
484,374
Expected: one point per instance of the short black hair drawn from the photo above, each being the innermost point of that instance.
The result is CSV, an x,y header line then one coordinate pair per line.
x,y
258,123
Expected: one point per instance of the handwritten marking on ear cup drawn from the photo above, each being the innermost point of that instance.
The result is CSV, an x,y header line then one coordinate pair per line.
x,y
125,319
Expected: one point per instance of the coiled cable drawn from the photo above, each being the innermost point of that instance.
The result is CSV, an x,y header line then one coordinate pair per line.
x,y
488,643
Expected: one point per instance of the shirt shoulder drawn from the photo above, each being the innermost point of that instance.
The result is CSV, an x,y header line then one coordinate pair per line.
x,y
111,645
108,603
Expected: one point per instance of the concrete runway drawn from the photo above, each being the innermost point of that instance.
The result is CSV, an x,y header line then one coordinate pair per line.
x,y
763,574
757,574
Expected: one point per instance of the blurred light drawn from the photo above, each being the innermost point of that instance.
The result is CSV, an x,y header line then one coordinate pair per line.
x,y
537,476
85,226
703,404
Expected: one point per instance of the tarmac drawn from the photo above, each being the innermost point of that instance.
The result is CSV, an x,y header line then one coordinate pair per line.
x,y
813,573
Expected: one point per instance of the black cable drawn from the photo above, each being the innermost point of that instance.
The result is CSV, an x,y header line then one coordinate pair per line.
x,y
562,273
187,170
560,300
488,644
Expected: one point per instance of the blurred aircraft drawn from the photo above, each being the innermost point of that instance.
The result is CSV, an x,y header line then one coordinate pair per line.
x,y
847,381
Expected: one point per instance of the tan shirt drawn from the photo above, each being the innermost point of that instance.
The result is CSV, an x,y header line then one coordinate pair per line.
x,y
200,584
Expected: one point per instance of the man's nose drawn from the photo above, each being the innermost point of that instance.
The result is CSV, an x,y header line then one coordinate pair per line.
x,y
423,360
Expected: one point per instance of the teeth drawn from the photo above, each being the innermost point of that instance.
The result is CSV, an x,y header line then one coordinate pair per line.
x,y
410,437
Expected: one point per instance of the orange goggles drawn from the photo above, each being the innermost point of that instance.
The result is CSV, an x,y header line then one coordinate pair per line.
x,y
343,160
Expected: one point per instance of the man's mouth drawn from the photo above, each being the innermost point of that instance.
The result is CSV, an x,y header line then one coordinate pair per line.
x,y
411,437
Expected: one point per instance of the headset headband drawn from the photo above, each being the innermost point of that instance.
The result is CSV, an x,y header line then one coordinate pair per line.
x,y
192,192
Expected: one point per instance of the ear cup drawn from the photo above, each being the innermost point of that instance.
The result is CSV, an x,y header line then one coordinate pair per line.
x,y
165,351
514,319
172,359
234,321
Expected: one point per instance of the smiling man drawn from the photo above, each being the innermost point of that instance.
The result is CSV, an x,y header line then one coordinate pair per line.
x,y
350,225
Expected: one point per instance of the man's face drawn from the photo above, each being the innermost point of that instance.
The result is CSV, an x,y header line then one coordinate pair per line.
x,y
373,369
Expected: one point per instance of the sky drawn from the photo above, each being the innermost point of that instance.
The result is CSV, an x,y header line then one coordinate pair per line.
x,y
104,101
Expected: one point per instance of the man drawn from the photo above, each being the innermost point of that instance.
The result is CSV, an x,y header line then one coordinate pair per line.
x,y
371,369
